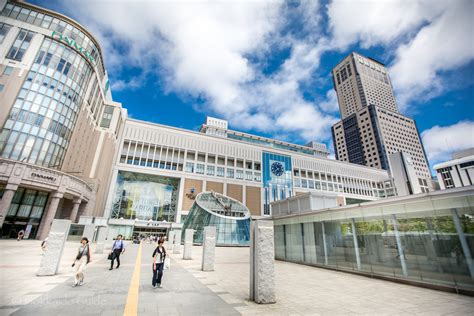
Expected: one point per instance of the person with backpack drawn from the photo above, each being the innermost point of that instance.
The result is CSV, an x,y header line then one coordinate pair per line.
x,y
83,257
159,256
118,248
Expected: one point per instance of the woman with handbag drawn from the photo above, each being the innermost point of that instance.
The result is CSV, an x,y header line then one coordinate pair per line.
x,y
83,257
159,256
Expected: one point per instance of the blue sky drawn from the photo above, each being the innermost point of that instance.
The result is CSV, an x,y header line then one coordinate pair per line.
x,y
265,66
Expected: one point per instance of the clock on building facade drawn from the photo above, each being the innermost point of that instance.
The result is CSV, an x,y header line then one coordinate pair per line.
x,y
277,168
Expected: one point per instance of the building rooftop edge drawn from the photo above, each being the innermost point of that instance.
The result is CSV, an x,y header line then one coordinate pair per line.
x,y
453,162
464,191
360,167
62,16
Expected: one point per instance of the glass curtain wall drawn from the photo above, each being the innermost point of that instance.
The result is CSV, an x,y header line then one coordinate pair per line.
x,y
430,241
145,197
40,124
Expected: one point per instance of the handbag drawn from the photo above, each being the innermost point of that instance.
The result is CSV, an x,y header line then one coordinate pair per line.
x,y
167,263
110,256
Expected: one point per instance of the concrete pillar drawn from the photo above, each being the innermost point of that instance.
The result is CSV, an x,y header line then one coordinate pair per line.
x,y
48,215
462,239
209,245
401,252
6,201
356,244
75,209
188,244
262,262
101,235
177,242
89,231
56,239
170,240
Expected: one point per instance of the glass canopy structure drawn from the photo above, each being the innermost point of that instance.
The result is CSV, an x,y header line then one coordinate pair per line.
x,y
230,217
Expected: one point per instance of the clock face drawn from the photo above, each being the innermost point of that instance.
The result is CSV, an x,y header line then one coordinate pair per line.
x,y
277,169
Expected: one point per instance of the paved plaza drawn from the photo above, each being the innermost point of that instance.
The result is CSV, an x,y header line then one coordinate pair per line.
x,y
300,290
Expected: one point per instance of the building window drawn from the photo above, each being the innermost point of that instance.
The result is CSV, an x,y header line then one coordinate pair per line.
x,y
248,175
257,176
7,71
4,28
189,167
199,168
239,174
230,173
107,116
220,171
20,45
210,170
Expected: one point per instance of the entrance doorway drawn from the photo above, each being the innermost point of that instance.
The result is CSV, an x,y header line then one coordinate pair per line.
x,y
145,232
25,213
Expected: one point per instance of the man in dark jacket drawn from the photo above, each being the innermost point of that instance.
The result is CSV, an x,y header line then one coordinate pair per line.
x,y
118,248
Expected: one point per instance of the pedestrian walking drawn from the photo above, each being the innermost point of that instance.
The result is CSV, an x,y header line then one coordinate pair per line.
x,y
159,256
44,244
118,248
21,233
83,257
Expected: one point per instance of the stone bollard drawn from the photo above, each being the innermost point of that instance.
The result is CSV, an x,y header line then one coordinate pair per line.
x,y
177,242
54,248
89,230
188,244
262,262
209,246
101,234
169,246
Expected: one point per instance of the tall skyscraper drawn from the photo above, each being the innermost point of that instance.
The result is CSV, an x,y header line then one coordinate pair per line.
x,y
371,127
360,81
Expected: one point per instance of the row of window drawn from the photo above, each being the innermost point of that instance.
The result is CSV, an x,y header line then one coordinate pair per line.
x,y
161,153
229,173
46,21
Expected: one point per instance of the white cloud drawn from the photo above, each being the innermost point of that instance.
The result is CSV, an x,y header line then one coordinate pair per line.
x,y
426,37
131,84
201,49
374,22
440,142
443,45
330,104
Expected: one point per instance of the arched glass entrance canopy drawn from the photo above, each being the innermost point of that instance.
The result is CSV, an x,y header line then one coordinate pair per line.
x,y
230,217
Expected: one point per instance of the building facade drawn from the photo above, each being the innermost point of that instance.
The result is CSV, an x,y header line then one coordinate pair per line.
x,y
372,128
360,81
458,172
160,169
59,126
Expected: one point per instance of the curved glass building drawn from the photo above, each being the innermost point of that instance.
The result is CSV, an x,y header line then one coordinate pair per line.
x,y
231,218
58,123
